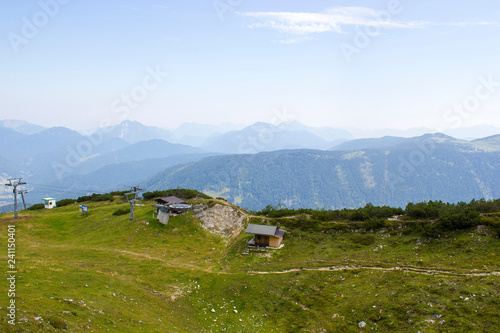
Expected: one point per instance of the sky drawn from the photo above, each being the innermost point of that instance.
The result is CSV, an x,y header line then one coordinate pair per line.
x,y
366,64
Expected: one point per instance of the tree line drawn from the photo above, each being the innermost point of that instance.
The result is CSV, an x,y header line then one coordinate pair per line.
x,y
433,216
429,217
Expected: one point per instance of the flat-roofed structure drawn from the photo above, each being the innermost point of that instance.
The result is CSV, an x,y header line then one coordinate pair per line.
x,y
49,203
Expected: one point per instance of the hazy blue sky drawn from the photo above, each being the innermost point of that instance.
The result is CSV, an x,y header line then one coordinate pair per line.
x,y
369,64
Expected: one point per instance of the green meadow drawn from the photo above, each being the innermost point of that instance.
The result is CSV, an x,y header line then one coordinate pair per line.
x,y
104,273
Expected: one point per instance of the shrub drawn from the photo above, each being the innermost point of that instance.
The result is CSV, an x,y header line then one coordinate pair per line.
x,y
343,227
374,224
96,197
36,206
458,218
121,211
118,192
493,222
58,323
363,239
423,210
65,202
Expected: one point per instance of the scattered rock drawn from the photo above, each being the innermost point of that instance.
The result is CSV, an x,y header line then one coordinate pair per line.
x,y
361,324
213,310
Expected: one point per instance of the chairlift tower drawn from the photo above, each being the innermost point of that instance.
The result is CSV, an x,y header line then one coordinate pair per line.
x,y
133,197
22,193
15,182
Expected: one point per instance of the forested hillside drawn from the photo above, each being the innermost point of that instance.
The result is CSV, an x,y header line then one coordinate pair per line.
x,y
431,167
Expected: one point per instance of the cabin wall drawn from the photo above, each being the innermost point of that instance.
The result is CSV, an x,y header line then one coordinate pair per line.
x,y
275,241
261,240
50,204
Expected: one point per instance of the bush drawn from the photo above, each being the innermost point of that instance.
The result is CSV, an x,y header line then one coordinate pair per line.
x,y
493,222
121,211
374,224
363,239
338,227
65,202
323,215
459,218
58,323
96,197
36,206
424,210
118,192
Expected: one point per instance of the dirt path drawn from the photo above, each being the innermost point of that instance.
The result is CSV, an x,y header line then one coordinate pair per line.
x,y
12,220
289,299
167,262
424,271
193,267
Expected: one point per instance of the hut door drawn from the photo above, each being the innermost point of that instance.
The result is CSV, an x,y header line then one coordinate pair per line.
x,y
261,240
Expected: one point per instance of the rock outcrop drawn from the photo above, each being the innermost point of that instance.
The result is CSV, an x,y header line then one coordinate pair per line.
x,y
220,219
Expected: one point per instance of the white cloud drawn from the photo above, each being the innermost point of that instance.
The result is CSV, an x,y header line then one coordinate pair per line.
x,y
333,20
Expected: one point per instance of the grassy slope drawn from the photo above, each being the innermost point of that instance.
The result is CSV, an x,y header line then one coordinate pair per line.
x,y
105,273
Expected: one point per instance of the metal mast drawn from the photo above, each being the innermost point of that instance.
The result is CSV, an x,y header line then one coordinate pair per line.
x,y
15,182
133,197
22,193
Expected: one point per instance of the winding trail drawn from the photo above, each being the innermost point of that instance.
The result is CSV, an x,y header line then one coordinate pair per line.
x,y
424,271
170,262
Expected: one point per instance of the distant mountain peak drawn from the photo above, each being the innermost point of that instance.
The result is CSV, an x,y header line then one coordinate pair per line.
x,y
491,137
133,131
438,135
58,131
21,126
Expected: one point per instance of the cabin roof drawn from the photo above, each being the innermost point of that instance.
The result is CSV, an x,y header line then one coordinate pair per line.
x,y
279,233
170,199
266,230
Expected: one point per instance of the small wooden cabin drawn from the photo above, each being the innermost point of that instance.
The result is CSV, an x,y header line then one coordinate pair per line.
x,y
49,203
265,235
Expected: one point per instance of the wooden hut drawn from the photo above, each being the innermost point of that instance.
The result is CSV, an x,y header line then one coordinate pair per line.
x,y
265,235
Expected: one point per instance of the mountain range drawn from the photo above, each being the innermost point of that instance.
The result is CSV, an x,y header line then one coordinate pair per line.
x,y
288,163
